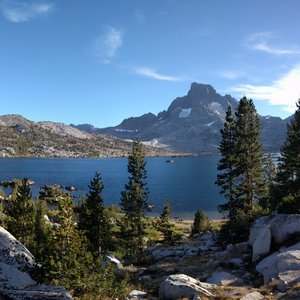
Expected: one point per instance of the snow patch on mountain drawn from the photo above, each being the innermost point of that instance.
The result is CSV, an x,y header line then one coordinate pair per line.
x,y
154,143
125,130
218,108
209,124
185,113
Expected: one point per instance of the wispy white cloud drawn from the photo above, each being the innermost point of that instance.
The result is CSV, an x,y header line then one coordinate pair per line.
x,y
148,72
285,91
261,42
106,45
22,11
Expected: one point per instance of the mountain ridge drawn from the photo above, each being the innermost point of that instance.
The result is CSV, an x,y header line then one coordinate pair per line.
x,y
191,123
20,137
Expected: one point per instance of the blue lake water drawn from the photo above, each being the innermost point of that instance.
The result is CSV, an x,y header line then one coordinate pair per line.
x,y
188,183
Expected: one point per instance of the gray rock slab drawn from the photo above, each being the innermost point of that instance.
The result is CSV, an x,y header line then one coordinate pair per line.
x,y
14,253
262,244
181,285
283,265
12,278
225,278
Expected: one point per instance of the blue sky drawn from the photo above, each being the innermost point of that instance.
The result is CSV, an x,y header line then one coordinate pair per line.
x,y
99,62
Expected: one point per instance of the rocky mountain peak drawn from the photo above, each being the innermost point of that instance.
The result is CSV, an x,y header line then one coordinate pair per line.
x,y
18,122
201,100
138,123
12,120
192,123
201,91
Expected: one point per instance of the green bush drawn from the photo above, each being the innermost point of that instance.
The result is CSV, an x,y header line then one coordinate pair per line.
x,y
200,224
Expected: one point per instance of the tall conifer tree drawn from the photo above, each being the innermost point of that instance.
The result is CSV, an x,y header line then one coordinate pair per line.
x,y
251,186
92,219
226,166
286,190
42,230
20,214
134,198
241,177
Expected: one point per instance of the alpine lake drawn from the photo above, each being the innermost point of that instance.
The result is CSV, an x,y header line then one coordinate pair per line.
x,y
187,182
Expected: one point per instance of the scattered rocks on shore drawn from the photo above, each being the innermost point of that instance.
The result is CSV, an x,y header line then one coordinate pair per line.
x,y
206,242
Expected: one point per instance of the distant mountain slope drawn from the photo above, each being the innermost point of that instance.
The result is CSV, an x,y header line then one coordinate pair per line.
x,y
192,123
22,137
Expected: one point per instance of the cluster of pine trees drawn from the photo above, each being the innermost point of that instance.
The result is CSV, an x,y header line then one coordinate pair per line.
x,y
70,247
247,177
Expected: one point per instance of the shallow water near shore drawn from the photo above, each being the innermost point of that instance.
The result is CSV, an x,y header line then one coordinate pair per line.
x,y
187,182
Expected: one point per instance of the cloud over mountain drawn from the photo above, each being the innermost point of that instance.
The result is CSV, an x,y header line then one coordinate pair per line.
x,y
284,91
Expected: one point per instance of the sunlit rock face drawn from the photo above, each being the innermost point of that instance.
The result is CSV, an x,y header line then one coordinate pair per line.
x,y
15,283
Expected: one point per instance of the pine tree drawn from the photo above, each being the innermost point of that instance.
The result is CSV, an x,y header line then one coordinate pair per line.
x,y
134,199
67,259
164,225
93,220
14,188
166,213
241,177
251,185
200,223
286,190
42,231
20,214
226,166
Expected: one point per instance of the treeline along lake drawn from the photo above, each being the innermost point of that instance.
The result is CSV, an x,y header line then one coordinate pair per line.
x,y
187,182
